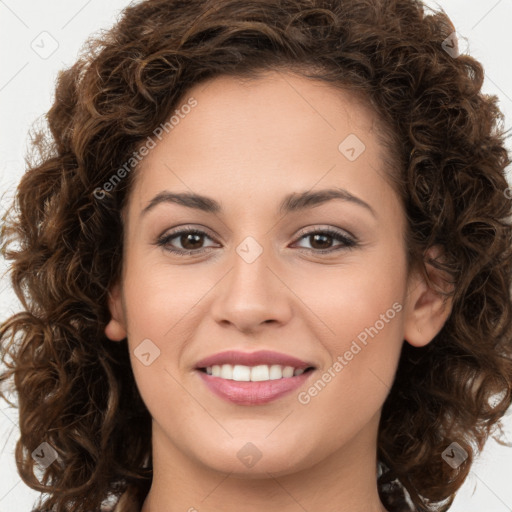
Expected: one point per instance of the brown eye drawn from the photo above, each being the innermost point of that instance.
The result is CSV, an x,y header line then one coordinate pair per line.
x,y
321,241
191,241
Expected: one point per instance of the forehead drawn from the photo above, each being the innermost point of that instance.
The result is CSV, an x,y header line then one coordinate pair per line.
x,y
265,134
276,108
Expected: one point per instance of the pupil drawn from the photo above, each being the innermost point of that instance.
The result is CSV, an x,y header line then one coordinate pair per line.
x,y
190,235
324,237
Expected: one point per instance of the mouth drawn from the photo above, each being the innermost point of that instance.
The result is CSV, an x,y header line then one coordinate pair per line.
x,y
257,385
253,378
259,373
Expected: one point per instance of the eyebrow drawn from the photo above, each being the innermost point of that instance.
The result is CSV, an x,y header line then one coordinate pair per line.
x,y
293,202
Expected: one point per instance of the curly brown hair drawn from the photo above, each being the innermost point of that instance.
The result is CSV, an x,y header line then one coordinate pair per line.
x,y
76,389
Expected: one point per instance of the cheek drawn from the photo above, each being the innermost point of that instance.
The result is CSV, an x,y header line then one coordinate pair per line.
x,y
157,314
159,295
361,329
367,307
154,304
361,299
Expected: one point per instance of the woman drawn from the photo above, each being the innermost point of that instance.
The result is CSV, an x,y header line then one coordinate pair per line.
x,y
265,262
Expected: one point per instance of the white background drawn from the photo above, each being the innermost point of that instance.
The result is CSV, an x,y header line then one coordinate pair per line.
x,y
26,91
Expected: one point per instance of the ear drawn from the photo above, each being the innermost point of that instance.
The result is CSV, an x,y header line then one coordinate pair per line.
x,y
115,330
426,311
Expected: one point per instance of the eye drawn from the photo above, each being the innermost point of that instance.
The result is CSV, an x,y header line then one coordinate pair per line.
x,y
323,238
189,238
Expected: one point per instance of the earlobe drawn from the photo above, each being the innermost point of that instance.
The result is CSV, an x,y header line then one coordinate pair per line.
x,y
426,310
115,330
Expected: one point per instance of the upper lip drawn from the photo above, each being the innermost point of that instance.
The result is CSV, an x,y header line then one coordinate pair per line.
x,y
252,359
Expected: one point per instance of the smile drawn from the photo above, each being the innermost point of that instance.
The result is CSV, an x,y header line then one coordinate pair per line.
x,y
262,372
258,385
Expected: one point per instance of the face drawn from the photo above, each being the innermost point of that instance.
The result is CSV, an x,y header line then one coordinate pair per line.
x,y
321,280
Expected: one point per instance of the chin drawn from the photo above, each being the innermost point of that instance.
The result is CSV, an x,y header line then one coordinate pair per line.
x,y
255,457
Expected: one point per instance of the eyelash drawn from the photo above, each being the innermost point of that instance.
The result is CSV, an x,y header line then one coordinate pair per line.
x,y
348,243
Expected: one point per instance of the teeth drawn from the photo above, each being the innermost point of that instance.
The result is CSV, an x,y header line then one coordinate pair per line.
x,y
226,371
240,372
258,373
276,372
288,371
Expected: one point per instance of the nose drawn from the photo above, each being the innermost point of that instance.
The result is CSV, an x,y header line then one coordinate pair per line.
x,y
253,294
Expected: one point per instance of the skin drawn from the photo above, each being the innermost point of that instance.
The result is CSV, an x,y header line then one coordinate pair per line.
x,y
247,144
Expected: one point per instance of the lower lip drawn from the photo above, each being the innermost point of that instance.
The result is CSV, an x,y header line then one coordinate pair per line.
x,y
253,393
